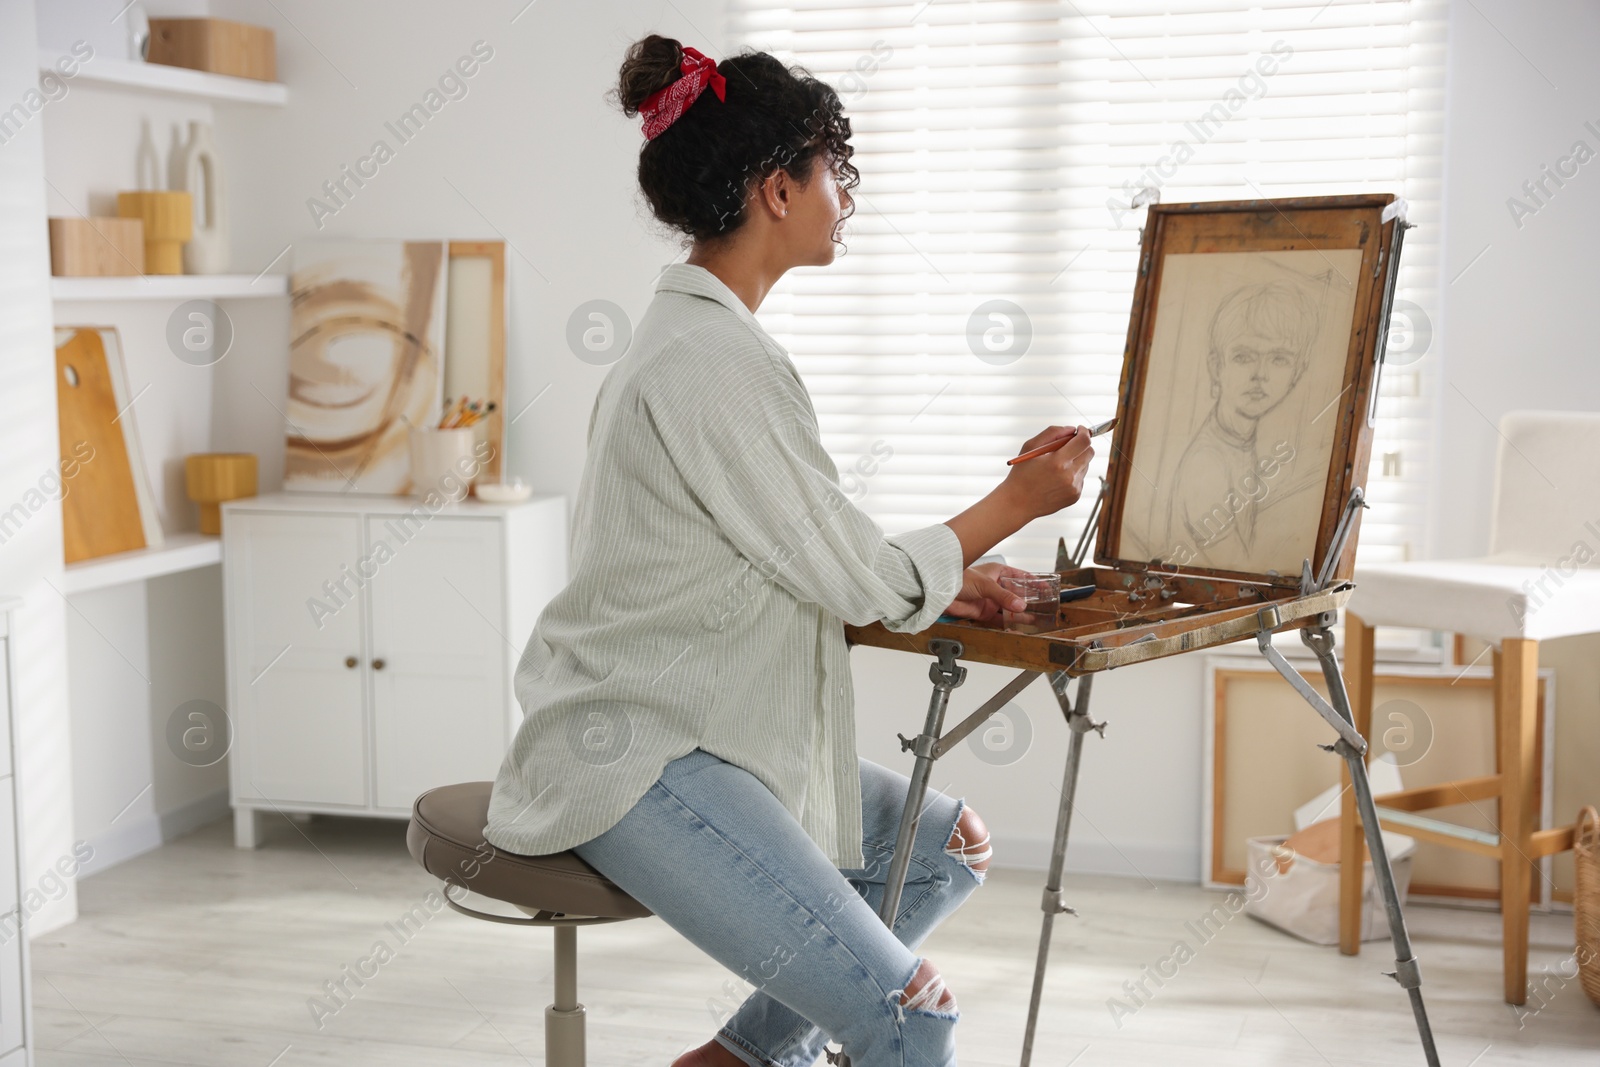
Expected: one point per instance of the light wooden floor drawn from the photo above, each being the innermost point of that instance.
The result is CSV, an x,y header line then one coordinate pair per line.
x,y
201,954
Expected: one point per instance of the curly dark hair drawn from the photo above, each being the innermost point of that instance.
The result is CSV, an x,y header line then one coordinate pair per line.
x,y
698,172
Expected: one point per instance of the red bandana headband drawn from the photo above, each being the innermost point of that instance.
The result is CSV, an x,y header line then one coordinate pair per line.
x,y
662,108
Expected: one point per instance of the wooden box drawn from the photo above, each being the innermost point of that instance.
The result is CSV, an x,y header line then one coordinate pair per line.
x,y
1245,414
96,247
215,45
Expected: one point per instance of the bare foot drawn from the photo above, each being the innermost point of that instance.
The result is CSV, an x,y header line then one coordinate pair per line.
x,y
710,1054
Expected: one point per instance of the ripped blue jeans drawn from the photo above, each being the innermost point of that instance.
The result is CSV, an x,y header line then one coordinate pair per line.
x,y
709,849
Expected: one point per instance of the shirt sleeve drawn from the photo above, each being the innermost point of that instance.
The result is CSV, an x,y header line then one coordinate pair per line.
x,y
742,433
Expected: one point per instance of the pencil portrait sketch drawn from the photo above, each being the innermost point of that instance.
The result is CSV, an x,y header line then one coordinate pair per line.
x,y
1236,428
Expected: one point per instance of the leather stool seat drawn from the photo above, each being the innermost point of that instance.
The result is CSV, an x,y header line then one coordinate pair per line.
x,y
446,838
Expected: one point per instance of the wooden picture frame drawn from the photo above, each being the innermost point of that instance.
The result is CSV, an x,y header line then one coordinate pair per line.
x,y
1247,708
475,338
1355,242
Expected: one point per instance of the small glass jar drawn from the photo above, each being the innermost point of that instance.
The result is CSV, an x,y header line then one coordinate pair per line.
x,y
1043,594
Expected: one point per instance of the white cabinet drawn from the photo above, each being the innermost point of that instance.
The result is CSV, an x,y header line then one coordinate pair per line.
x,y
372,643
16,1029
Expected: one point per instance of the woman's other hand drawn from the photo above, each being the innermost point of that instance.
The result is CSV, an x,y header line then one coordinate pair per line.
x,y
1046,484
982,597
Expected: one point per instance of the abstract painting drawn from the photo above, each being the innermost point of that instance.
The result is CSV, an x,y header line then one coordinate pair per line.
x,y
365,366
1236,427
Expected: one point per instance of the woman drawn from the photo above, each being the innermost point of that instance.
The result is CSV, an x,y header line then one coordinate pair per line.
x,y
690,729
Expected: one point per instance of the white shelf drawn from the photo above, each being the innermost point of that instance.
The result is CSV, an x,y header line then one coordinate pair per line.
x,y
178,81
169,287
181,552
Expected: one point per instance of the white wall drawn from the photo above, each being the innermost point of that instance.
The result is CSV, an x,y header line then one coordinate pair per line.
x,y
30,559
1520,327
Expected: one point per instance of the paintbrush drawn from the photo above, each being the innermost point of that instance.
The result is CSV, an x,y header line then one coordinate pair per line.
x,y
1094,431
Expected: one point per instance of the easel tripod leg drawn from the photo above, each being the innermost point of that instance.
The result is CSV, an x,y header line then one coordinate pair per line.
x,y
946,674
1407,971
1077,713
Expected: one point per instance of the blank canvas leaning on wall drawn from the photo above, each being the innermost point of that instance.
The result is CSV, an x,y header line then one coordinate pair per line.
x,y
1437,724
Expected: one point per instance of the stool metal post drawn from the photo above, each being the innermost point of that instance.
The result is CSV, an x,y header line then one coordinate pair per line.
x,y
564,1044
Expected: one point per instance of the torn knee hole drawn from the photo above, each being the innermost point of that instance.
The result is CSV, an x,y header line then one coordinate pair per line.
x,y
969,841
927,991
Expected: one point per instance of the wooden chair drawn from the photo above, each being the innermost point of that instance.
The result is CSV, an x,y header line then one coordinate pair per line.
x,y
1540,580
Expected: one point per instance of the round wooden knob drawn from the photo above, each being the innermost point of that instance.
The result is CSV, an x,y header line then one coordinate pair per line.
x,y
377,664
351,661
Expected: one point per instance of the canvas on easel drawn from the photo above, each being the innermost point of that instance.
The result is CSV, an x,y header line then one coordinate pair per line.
x,y
1237,428
1244,424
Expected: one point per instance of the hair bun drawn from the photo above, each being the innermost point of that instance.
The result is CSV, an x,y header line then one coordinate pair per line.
x,y
650,65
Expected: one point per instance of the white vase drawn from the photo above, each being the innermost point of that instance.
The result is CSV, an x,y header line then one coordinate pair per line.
x,y
201,175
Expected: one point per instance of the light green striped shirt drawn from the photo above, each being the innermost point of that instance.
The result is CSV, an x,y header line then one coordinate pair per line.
x,y
713,558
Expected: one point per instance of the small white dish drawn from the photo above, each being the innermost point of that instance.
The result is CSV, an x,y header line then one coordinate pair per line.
x,y
512,492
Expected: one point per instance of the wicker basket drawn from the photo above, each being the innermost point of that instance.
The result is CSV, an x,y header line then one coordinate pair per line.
x,y
1586,900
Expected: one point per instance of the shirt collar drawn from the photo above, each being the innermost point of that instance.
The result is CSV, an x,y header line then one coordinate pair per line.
x,y
697,281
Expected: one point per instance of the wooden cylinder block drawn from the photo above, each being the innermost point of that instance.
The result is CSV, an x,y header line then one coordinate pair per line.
x,y
168,222
213,477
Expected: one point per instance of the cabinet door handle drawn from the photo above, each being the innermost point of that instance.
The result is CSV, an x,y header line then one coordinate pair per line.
x,y
378,664
351,661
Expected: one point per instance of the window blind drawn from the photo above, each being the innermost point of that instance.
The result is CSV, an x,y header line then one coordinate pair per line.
x,y
1003,145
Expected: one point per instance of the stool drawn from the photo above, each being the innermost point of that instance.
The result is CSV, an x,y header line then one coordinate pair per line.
x,y
559,890
1541,580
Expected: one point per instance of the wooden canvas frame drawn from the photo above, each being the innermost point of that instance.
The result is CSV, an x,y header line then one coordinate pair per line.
x,y
1400,680
491,333
1315,224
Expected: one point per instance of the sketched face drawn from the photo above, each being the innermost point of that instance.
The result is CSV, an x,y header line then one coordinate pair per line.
x,y
1260,339
1255,372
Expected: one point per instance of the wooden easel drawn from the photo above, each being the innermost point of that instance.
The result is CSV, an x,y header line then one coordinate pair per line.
x,y
1145,610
